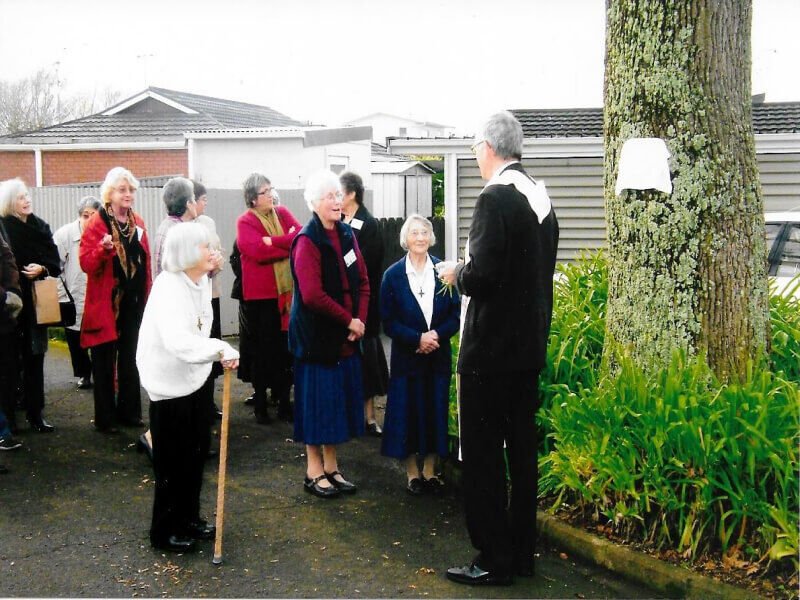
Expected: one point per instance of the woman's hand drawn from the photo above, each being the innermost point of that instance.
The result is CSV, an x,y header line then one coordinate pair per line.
x,y
267,240
447,271
107,243
292,229
428,342
32,270
356,329
230,364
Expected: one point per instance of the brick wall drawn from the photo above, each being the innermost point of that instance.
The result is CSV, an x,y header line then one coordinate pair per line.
x,y
18,164
89,166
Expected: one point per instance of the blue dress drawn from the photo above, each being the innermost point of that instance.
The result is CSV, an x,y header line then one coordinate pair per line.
x,y
417,401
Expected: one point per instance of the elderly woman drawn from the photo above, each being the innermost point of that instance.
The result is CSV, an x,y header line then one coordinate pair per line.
x,y
36,255
174,358
68,241
331,300
115,255
370,241
264,234
420,316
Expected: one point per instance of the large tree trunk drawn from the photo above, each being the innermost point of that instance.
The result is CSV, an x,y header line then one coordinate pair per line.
x,y
687,270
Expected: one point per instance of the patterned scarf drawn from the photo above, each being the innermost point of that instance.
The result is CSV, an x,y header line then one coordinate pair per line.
x,y
128,266
283,272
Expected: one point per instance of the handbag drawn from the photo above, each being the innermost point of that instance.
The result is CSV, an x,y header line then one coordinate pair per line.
x,y
49,310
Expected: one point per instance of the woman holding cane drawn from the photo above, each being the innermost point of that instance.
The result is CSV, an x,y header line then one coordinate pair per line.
x,y
174,356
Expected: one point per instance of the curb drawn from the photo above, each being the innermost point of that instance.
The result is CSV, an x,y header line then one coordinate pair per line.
x,y
672,580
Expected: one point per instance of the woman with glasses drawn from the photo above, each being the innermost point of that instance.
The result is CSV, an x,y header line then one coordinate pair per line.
x,y
264,234
115,255
420,315
36,255
331,299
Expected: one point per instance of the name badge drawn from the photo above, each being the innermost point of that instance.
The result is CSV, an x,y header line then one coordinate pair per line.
x,y
350,258
357,224
139,232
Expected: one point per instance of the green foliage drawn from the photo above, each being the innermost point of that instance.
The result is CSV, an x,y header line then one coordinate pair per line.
x,y
672,457
452,413
437,182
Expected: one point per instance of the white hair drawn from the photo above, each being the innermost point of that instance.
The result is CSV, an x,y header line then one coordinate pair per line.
x,y
504,133
10,190
318,185
182,246
112,178
415,218
88,202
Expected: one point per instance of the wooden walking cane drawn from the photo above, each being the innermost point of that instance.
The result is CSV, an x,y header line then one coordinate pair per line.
x,y
223,460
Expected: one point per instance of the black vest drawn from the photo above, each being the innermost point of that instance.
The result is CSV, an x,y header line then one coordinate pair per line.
x,y
314,337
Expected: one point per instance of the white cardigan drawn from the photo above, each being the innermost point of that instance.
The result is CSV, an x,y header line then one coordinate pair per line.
x,y
174,356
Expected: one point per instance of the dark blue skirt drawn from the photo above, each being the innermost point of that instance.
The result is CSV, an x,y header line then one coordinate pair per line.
x,y
328,401
416,415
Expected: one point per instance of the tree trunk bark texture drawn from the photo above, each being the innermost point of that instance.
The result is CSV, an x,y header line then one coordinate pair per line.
x,y
687,270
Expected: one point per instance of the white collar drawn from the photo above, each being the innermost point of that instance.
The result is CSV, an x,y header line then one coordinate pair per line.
x,y
535,192
410,266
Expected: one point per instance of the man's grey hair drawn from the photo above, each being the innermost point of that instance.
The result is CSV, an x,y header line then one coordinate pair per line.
x,y
415,218
176,194
10,190
251,186
318,185
88,202
182,246
504,134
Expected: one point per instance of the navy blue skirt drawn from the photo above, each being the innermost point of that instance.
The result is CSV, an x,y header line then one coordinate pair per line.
x,y
328,401
416,415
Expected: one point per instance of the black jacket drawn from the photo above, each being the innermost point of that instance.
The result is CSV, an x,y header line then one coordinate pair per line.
x,y
370,242
9,282
510,283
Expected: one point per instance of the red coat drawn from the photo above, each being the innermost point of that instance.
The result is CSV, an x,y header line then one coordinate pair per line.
x,y
99,325
258,275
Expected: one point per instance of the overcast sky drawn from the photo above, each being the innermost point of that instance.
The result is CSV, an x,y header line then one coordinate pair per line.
x,y
448,61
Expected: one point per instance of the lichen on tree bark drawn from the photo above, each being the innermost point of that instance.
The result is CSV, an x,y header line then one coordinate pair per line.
x,y
686,270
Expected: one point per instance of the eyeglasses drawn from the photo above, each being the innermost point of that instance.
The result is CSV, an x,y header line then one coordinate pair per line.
x,y
125,189
474,147
423,233
266,192
338,195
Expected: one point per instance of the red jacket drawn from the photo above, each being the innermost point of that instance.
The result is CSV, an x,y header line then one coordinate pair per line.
x,y
258,276
98,325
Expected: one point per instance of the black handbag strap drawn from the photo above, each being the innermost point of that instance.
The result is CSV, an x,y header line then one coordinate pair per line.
x,y
66,289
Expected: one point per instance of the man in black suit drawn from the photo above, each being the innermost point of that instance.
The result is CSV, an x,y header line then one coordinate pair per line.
x,y
508,277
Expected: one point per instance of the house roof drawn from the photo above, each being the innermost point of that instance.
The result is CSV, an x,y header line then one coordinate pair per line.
x,y
367,118
773,117
398,167
133,120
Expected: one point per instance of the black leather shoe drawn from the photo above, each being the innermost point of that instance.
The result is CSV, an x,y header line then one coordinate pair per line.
x,y
313,487
434,485
143,447
373,429
84,383
176,543
344,486
250,400
415,487
474,575
201,530
41,426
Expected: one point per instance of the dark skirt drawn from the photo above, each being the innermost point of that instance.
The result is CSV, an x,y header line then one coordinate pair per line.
x,y
416,416
376,371
328,401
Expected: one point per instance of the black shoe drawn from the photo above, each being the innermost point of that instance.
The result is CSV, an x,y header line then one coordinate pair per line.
x,y
217,413
85,383
434,485
250,400
176,543
109,430
344,486
374,430
201,530
415,487
143,447
9,443
474,575
313,487
41,426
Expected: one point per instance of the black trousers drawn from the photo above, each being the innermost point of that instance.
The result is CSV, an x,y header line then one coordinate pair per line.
x,y
270,359
494,408
9,375
179,427
81,363
118,358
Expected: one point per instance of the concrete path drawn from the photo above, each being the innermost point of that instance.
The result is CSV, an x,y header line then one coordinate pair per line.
x,y
75,511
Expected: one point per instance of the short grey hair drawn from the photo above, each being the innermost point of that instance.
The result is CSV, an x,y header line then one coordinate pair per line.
x,y
415,218
112,178
10,190
504,134
250,188
88,202
176,194
182,246
318,185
